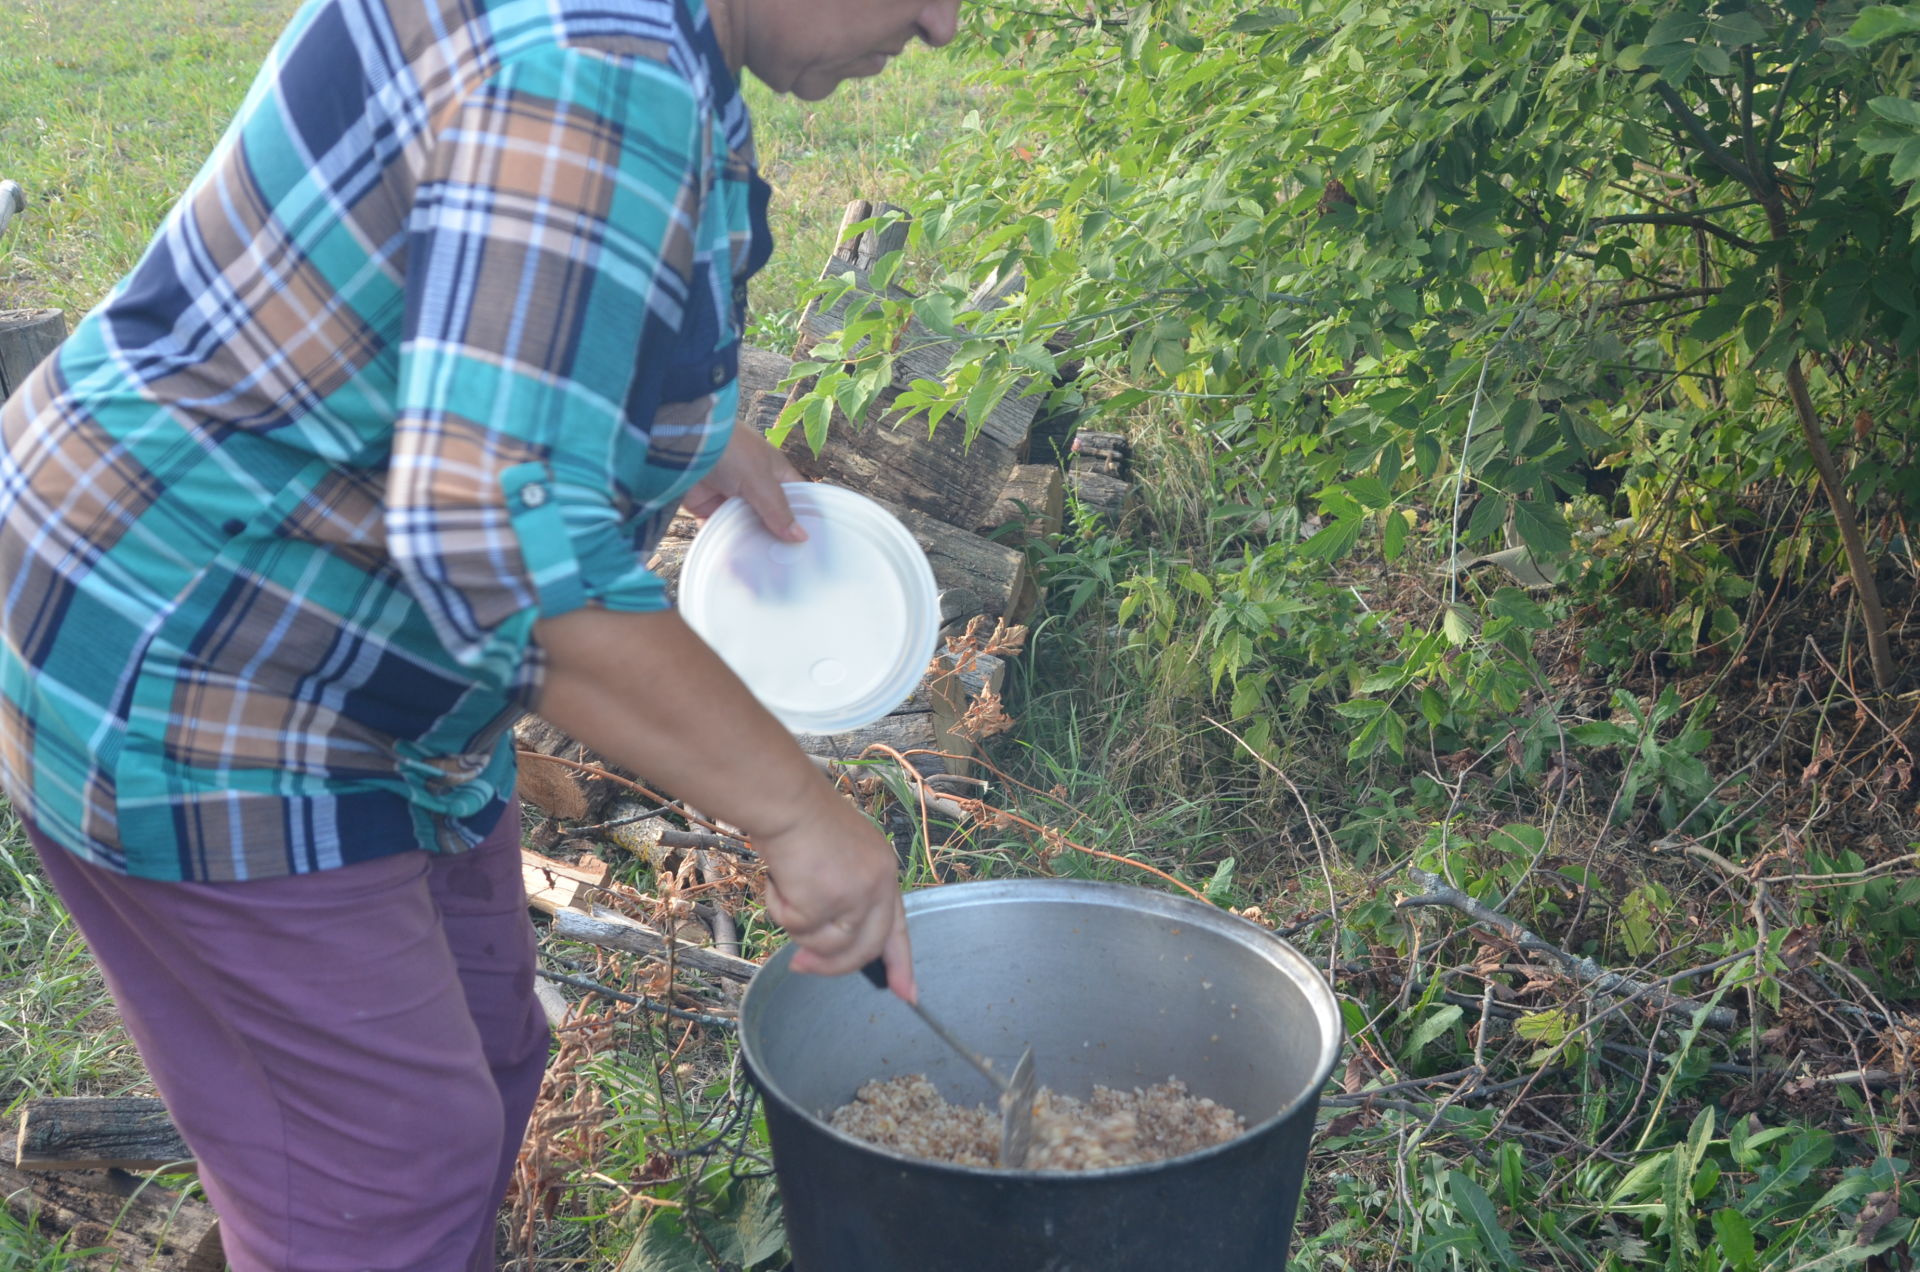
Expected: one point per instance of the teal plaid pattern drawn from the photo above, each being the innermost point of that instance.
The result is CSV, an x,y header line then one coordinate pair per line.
x,y
430,349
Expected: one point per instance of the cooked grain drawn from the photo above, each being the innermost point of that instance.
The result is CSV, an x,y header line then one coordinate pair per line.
x,y
1111,1128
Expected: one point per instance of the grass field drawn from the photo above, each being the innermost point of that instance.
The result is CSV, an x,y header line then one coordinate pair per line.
x,y
107,108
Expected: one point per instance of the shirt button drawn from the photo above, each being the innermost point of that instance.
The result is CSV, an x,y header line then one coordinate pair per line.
x,y
533,494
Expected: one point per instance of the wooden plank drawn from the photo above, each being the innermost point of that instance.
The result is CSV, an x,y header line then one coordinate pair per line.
x,y
131,1223
895,459
761,371
27,336
553,886
876,241
614,931
87,1133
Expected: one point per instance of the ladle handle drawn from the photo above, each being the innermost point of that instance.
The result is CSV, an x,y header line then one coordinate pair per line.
x,y
876,974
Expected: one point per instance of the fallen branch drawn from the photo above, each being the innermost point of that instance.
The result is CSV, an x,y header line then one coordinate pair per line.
x,y
647,1004
612,931
1438,891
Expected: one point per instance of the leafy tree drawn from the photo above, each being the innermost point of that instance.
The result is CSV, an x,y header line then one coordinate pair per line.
x,y
1433,266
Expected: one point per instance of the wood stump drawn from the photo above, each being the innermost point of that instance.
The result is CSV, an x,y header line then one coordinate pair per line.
x,y
27,336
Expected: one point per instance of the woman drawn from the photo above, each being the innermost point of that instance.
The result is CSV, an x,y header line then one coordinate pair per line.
x,y
362,460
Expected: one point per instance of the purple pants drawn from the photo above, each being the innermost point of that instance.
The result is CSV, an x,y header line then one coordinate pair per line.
x,y
351,1055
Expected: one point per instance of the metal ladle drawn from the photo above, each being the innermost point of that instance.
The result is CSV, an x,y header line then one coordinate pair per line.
x,y
1016,1092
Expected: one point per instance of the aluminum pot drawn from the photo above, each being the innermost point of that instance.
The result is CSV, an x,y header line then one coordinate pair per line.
x,y
1110,984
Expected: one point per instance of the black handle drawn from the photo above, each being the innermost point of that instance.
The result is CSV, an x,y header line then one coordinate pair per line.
x,y
876,972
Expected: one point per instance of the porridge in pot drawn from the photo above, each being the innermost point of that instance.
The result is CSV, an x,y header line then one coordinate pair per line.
x,y
1109,1128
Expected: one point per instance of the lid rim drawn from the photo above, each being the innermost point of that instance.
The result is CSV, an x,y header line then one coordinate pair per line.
x,y
734,525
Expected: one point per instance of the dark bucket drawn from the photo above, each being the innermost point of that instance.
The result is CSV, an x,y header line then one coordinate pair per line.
x,y
1110,984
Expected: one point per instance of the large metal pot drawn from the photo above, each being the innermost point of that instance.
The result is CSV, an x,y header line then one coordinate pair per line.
x,y
1110,984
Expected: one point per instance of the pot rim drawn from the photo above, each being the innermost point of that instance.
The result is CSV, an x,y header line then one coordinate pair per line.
x,y
1286,960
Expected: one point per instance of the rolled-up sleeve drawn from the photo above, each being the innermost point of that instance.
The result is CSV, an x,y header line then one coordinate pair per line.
x,y
550,251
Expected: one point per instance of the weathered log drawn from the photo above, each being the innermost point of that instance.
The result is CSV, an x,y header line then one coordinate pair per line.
x,y
887,455
1109,454
536,735
1030,506
128,1221
995,574
1110,497
87,1133
27,336
551,787
613,931
997,289
761,371
905,730
891,458
878,240
921,354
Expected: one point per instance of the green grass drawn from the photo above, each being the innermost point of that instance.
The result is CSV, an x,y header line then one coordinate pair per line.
x,y
107,108
865,142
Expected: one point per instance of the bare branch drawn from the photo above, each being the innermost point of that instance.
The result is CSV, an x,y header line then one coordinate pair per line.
x,y
1438,891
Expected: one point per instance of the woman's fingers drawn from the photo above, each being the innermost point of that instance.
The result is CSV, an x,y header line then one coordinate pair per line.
x,y
847,942
769,499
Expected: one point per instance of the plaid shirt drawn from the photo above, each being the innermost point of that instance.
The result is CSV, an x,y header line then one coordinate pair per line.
x,y
430,349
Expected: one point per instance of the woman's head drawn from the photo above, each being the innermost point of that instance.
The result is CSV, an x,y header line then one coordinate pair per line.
x,y
809,47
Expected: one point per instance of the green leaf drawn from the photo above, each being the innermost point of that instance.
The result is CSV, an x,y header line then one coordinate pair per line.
x,y
1489,517
1335,539
1458,623
1716,320
1880,22
1518,838
1437,1022
1601,733
1472,1201
1393,539
1514,604
1220,888
1542,528
1548,1026
1370,491
664,1246
1900,110
1263,20
759,1225
1735,1236
815,418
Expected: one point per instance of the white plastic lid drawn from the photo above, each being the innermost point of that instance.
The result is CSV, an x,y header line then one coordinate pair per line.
x,y
829,634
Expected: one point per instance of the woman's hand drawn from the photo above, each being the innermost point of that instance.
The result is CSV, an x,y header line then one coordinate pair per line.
x,y
753,469
833,884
